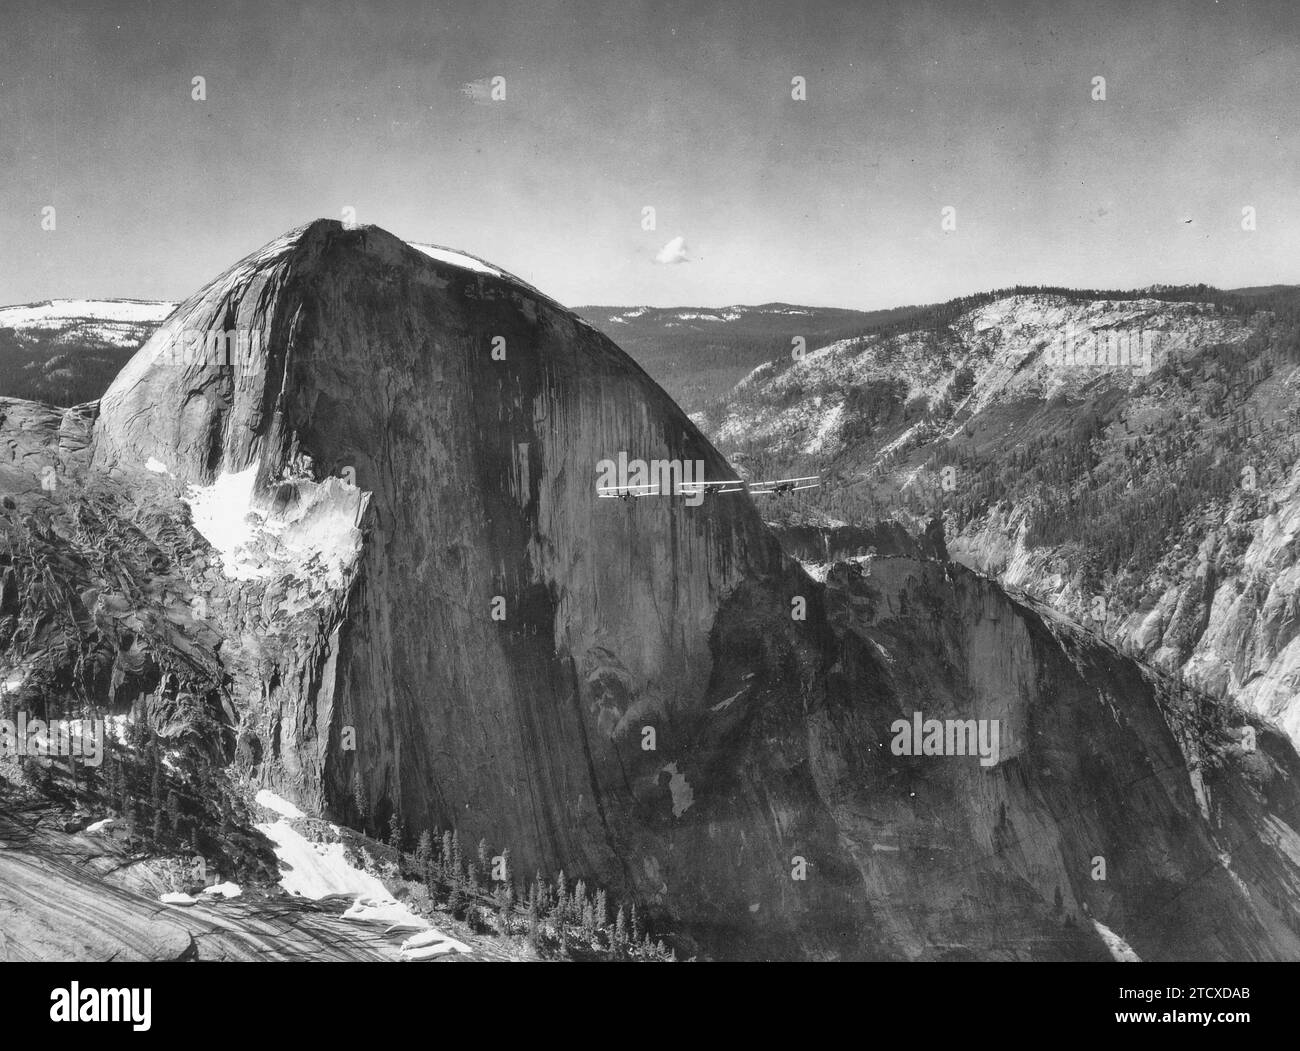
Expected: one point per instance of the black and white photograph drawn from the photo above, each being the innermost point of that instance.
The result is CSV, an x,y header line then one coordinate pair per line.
x,y
732,482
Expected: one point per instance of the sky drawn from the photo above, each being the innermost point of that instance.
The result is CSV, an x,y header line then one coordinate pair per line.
x,y
610,108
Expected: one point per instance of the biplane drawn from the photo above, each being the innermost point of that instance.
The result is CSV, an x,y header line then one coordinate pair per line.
x,y
730,485
784,485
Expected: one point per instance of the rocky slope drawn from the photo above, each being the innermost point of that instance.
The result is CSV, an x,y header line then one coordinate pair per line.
x,y
79,894
336,525
1133,461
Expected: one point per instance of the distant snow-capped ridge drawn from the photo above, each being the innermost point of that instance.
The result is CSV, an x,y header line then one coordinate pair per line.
x,y
734,312
52,312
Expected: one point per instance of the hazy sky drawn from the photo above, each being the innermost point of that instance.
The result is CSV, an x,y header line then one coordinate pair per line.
x,y
686,107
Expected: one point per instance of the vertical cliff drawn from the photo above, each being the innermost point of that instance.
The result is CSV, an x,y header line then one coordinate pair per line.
x,y
475,490
1115,800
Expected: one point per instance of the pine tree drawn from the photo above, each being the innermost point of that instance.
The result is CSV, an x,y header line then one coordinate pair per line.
x,y
602,910
484,858
360,798
156,797
127,804
128,811
446,857
457,862
112,788
635,928
424,859
174,811
620,931
562,898
397,832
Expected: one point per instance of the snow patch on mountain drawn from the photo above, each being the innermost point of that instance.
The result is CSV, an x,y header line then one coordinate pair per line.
x,y
223,514
300,528
271,801
321,870
318,870
1120,950
429,943
729,315
628,315
460,259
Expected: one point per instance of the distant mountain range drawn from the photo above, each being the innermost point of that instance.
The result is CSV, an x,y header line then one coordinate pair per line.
x,y
67,351
697,354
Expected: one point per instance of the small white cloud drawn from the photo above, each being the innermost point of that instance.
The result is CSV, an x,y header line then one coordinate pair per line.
x,y
673,252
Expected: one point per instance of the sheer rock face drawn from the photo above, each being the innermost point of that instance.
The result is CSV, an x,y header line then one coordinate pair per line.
x,y
1228,616
479,484
1113,801
651,713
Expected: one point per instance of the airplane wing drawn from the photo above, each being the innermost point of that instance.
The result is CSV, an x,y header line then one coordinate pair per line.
x,y
608,492
726,485
781,481
777,492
